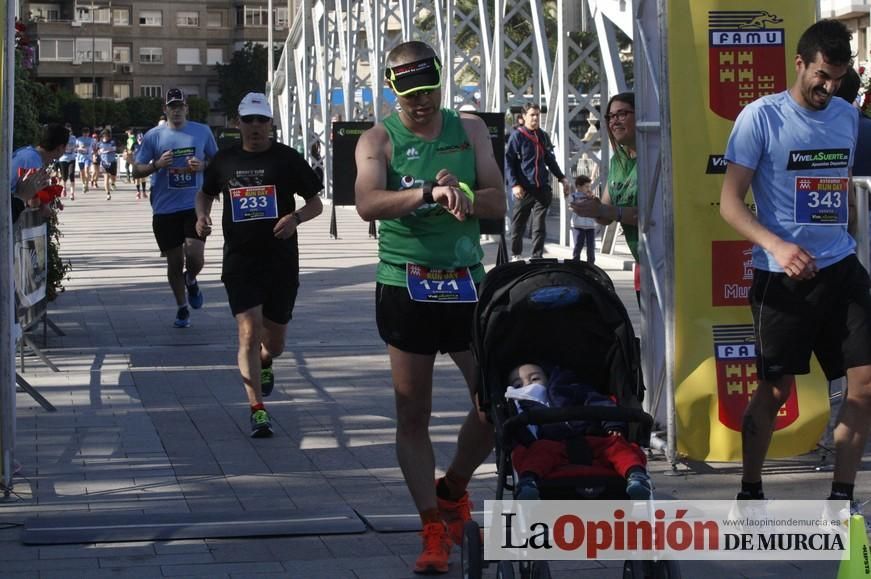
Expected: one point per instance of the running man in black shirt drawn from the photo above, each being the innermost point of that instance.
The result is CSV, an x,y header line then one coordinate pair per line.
x,y
258,178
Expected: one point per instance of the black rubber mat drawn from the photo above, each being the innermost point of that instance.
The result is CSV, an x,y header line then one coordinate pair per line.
x,y
107,527
384,520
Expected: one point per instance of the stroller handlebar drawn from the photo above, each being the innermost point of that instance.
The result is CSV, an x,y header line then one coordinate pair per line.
x,y
539,416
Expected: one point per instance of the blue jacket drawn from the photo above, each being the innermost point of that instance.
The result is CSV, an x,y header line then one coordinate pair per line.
x,y
528,157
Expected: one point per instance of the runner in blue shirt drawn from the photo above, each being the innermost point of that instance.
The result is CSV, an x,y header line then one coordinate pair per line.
x,y
175,156
809,294
67,165
84,156
107,150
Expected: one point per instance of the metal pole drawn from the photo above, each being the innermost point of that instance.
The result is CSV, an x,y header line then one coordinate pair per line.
x,y
7,289
270,65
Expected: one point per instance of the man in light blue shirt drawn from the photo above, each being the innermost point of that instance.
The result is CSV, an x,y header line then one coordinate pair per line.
x,y
809,294
175,155
28,175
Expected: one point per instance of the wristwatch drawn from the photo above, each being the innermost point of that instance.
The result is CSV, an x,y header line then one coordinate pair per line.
x,y
297,218
427,192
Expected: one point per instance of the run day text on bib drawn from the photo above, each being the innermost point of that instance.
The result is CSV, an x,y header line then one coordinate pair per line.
x,y
821,200
251,203
440,285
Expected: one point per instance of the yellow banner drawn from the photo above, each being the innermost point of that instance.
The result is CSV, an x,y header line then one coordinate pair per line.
x,y
724,54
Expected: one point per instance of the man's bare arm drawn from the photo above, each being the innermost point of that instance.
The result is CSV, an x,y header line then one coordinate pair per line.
x,y
373,200
795,261
490,193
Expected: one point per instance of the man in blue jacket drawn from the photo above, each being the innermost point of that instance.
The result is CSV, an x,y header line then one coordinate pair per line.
x,y
529,160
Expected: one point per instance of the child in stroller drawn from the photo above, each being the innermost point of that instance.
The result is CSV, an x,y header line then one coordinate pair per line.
x,y
543,449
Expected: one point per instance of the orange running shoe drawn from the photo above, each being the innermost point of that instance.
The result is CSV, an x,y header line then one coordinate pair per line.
x,y
455,514
436,550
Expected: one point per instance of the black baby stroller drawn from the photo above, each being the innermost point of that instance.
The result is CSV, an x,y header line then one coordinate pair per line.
x,y
566,314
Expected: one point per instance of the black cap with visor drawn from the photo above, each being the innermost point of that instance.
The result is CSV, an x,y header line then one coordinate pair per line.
x,y
415,76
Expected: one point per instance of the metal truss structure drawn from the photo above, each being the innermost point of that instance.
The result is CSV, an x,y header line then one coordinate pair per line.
x,y
335,54
335,51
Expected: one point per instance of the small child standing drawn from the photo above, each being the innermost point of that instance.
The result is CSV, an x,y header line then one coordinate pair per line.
x,y
547,450
583,228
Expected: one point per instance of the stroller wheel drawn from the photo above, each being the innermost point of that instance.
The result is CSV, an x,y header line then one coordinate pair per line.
x,y
505,570
540,570
638,570
651,570
472,559
666,570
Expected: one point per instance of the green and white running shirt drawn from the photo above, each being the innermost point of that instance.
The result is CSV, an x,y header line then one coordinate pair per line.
x,y
429,236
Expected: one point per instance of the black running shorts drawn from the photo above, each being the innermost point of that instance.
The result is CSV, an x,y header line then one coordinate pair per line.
x,y
270,280
110,168
829,315
67,170
171,229
422,327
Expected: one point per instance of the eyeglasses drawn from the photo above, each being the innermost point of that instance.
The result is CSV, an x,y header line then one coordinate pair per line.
x,y
252,118
619,115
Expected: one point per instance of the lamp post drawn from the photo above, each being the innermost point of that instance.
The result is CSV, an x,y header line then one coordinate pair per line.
x,y
93,65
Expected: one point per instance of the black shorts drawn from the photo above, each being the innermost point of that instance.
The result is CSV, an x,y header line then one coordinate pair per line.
x,y
829,315
67,170
112,169
422,327
171,229
270,280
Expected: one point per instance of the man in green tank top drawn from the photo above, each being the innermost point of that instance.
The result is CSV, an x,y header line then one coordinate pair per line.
x,y
428,174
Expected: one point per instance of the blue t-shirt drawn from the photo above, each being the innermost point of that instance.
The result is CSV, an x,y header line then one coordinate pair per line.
x,y
69,152
23,158
84,150
801,161
107,152
174,188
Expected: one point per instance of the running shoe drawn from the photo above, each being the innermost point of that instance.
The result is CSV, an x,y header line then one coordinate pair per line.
x,y
195,296
182,318
639,487
436,549
455,514
108,196
261,427
527,489
267,381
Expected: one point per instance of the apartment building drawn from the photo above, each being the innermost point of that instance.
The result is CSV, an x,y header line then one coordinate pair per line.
x,y
120,48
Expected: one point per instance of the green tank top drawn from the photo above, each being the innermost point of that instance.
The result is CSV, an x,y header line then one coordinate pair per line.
x,y
429,236
623,189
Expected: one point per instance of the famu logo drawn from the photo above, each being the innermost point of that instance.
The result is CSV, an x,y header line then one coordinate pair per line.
x,y
818,159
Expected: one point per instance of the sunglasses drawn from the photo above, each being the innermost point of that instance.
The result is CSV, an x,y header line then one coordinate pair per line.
x,y
619,115
252,118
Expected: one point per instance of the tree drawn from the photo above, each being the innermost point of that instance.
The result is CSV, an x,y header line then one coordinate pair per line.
x,y
33,101
246,72
198,109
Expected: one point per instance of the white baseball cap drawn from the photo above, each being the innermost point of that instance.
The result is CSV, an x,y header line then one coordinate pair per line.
x,y
255,103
